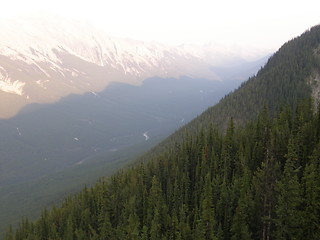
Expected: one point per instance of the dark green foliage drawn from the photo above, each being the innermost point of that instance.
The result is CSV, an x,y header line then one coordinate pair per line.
x,y
283,81
39,167
182,195
288,222
311,201
259,180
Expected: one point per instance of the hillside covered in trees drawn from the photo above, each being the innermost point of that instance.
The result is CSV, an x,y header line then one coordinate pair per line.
x,y
258,179
290,75
257,182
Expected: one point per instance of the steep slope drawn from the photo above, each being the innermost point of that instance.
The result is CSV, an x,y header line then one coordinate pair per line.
x,y
51,150
246,184
290,75
48,150
48,138
67,144
260,182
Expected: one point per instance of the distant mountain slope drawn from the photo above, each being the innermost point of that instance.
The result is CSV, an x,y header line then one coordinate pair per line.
x,y
47,138
49,150
290,75
114,113
260,181
45,58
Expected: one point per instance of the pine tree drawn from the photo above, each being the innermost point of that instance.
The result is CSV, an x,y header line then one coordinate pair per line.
x,y
155,230
133,227
69,230
144,233
264,184
105,228
224,209
240,221
229,152
288,220
311,182
207,210
184,227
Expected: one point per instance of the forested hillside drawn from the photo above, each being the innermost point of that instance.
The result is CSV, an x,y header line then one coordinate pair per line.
x,y
256,179
257,182
284,80
290,75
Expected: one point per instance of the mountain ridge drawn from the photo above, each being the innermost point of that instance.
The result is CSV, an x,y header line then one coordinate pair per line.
x,y
44,59
289,76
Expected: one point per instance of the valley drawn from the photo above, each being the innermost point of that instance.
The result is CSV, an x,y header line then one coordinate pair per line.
x,y
110,137
246,168
53,150
77,104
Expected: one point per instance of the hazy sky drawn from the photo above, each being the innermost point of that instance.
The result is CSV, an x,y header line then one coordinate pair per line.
x,y
263,24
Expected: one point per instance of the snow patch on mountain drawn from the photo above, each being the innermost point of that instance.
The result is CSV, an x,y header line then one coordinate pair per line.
x,y
42,83
15,87
40,40
46,58
8,85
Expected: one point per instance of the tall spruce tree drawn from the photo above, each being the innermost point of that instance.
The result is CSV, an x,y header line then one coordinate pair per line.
x,y
288,213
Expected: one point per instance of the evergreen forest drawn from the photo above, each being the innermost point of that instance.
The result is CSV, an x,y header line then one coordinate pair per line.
x,y
248,168
257,182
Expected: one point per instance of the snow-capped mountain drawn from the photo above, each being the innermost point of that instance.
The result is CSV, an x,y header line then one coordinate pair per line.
x,y
45,58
